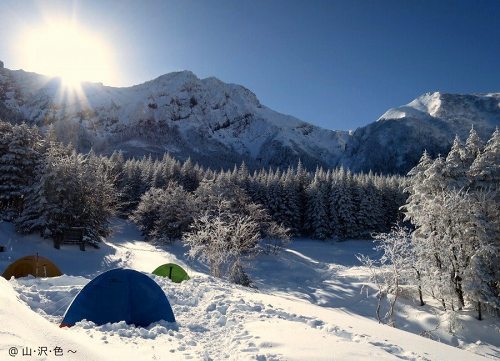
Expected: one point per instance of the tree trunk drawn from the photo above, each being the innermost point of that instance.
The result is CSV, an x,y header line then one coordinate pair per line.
x,y
393,304
379,298
422,303
460,294
215,268
420,289
479,314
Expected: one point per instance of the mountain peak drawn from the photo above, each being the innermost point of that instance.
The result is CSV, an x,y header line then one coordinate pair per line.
x,y
428,103
420,108
173,78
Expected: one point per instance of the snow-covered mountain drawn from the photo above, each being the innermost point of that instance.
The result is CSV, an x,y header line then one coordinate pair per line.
x,y
210,121
395,142
220,124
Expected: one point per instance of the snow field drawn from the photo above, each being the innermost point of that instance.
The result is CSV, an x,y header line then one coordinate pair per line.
x,y
216,320
310,305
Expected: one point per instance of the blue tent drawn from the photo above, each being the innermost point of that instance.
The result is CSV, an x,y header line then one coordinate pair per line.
x,y
120,295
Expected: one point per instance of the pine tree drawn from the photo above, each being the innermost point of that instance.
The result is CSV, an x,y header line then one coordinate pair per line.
x,y
317,214
416,194
455,168
369,210
70,190
20,146
189,179
333,205
346,206
290,202
273,196
116,164
132,185
473,146
485,170
303,179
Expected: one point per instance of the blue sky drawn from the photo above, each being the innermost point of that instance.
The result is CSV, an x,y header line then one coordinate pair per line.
x,y
337,64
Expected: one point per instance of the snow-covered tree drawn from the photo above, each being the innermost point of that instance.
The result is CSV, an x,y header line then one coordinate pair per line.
x,y
189,176
346,206
290,202
392,269
71,190
164,213
473,146
20,148
485,170
453,205
456,167
481,281
369,212
221,238
212,192
317,212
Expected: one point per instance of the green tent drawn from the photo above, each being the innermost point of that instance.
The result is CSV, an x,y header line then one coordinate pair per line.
x,y
175,272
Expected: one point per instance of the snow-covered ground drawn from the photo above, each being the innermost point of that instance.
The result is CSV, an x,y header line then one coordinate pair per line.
x,y
310,304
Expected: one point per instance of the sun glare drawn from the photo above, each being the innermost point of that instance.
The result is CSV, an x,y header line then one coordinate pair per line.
x,y
63,49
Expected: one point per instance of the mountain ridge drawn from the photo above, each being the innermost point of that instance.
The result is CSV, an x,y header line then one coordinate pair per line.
x,y
219,124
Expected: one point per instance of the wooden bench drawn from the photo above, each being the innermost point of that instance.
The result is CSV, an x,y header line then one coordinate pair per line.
x,y
73,235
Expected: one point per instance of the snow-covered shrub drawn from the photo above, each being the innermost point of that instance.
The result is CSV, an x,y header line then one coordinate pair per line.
x,y
394,268
238,275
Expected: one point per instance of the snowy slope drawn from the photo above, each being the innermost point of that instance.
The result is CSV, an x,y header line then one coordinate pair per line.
x,y
308,306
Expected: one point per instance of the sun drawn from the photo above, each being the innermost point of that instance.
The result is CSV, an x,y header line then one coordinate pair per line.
x,y
65,49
